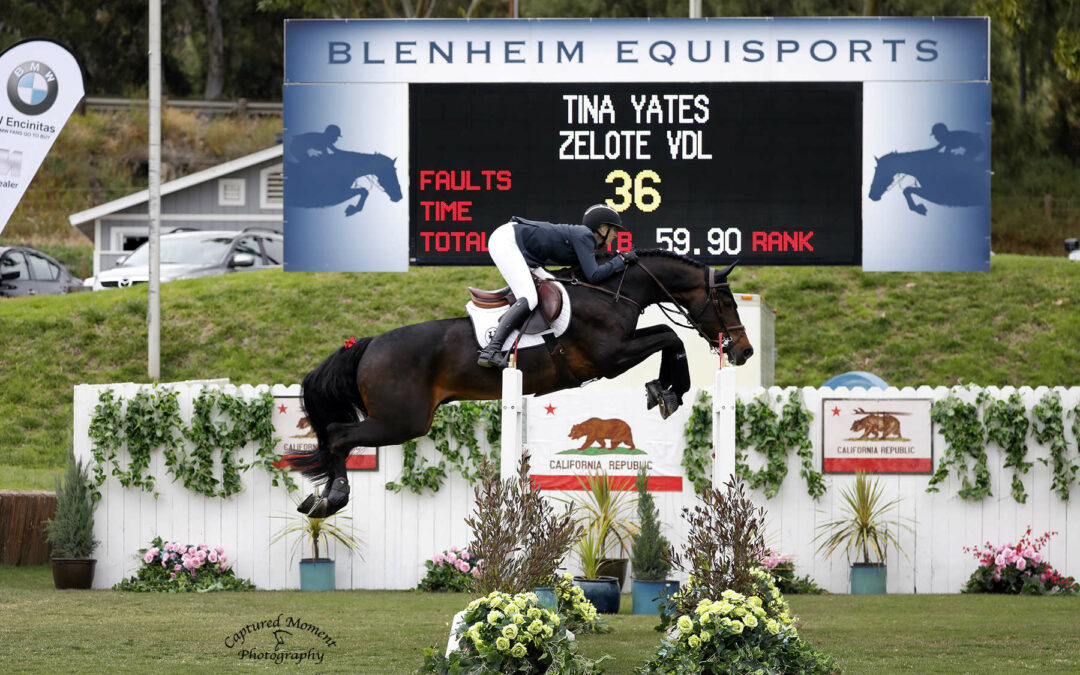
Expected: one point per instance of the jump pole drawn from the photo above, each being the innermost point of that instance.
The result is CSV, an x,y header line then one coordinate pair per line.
x,y
513,419
723,428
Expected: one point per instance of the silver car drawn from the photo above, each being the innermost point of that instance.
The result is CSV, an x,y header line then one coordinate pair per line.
x,y
25,271
197,253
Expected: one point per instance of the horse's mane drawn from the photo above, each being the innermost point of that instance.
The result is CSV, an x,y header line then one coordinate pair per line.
x,y
642,253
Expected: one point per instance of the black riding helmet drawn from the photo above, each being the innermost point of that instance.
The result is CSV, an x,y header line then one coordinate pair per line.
x,y
598,214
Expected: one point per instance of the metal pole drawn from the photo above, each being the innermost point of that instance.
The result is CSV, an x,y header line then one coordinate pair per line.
x,y
154,309
695,9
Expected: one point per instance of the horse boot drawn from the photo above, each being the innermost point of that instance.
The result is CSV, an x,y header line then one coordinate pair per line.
x,y
491,356
656,395
653,390
335,496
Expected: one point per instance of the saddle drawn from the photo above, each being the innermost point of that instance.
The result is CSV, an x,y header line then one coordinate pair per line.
x,y
540,319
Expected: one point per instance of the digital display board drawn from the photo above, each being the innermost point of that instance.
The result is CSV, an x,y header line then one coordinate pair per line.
x,y
765,172
794,141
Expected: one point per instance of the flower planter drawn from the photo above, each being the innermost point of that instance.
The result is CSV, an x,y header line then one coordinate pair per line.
x,y
546,597
614,567
73,572
603,593
647,594
316,574
867,578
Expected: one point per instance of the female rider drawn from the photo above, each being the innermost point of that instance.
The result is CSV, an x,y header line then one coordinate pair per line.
x,y
520,246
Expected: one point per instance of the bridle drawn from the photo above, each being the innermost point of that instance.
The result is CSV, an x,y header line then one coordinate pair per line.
x,y
716,283
714,288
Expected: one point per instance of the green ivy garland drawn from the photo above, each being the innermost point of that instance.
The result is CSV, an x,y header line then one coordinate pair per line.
x,y
1050,430
1007,425
151,420
697,456
453,430
756,425
962,430
795,433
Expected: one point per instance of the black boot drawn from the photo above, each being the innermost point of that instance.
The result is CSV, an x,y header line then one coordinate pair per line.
x,y
491,356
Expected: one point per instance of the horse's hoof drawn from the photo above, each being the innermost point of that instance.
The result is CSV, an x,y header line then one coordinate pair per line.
x,y
652,394
321,509
669,403
305,506
350,209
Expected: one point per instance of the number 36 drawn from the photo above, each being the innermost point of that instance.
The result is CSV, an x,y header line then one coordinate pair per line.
x,y
634,190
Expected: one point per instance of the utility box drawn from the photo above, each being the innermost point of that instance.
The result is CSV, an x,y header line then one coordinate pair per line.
x,y
760,322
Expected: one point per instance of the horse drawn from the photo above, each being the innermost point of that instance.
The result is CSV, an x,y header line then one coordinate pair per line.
x,y
332,178
384,390
942,179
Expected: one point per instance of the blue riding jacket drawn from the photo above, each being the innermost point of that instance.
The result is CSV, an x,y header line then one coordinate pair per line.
x,y
544,243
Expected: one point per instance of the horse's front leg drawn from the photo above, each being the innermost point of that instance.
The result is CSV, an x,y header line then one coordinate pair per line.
x,y
335,493
359,205
917,208
674,378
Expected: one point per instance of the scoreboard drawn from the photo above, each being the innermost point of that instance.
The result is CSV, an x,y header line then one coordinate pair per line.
x,y
765,172
775,141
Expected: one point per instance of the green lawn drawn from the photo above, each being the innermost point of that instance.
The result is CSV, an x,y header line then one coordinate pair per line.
x,y
44,630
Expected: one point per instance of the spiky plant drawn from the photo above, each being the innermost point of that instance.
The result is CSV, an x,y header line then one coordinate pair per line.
x,y
864,527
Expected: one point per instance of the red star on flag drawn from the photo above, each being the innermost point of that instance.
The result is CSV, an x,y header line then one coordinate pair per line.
x,y
836,412
281,408
550,409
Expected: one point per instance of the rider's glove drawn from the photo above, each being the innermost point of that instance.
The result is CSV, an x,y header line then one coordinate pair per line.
x,y
629,257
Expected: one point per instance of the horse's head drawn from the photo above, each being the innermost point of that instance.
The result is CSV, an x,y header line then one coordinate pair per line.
x,y
386,173
883,176
705,298
720,314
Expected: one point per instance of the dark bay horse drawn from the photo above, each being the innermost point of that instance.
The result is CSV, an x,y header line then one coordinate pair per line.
x,y
396,380
943,179
332,178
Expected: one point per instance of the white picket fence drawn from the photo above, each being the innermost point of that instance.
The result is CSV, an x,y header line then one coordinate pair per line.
x,y
401,530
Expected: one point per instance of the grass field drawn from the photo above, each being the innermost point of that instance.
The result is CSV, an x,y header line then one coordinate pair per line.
x,y
44,630
1015,325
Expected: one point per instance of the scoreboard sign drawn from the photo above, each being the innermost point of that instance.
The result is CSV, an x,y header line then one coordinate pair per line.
x,y
780,142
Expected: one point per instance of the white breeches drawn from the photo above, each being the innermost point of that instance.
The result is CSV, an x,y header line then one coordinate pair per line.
x,y
511,263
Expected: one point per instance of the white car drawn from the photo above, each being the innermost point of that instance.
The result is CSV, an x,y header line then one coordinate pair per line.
x,y
197,253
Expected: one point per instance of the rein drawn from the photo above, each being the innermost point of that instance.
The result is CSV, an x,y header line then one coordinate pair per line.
x,y
714,301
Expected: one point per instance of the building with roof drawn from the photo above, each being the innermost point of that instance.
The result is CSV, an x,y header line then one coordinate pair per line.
x,y
239,194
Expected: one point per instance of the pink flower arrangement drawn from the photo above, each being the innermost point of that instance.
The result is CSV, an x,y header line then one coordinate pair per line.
x,y
173,566
1017,568
451,570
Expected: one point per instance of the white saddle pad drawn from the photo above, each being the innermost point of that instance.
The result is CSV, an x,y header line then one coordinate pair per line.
x,y
485,321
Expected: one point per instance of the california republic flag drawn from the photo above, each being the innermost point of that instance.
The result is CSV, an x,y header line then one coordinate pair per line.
x,y
42,83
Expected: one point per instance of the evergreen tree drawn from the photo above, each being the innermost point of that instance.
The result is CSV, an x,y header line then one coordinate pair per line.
x,y
71,531
649,556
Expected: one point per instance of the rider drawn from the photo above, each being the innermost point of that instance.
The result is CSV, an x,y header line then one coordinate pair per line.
x,y
968,143
319,142
520,246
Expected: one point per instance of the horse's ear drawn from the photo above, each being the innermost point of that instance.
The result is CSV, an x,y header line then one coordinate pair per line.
x,y
727,270
393,160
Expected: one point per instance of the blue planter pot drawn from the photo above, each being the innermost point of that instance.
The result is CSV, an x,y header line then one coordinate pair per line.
x,y
647,595
603,593
867,578
316,574
547,598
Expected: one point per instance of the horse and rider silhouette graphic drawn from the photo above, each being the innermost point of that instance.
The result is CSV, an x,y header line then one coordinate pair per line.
x,y
322,175
951,174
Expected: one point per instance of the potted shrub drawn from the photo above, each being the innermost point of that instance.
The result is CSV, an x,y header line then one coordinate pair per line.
x,y
605,522
863,530
316,572
70,532
649,555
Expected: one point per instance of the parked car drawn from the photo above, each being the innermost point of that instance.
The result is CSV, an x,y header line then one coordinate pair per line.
x,y
197,253
24,271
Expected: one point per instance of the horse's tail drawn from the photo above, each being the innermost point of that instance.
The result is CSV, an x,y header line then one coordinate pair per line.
x,y
330,396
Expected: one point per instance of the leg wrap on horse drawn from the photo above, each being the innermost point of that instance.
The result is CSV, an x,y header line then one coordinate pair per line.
x,y
334,498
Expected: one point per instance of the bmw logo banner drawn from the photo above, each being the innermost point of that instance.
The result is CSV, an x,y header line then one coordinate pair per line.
x,y
42,83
